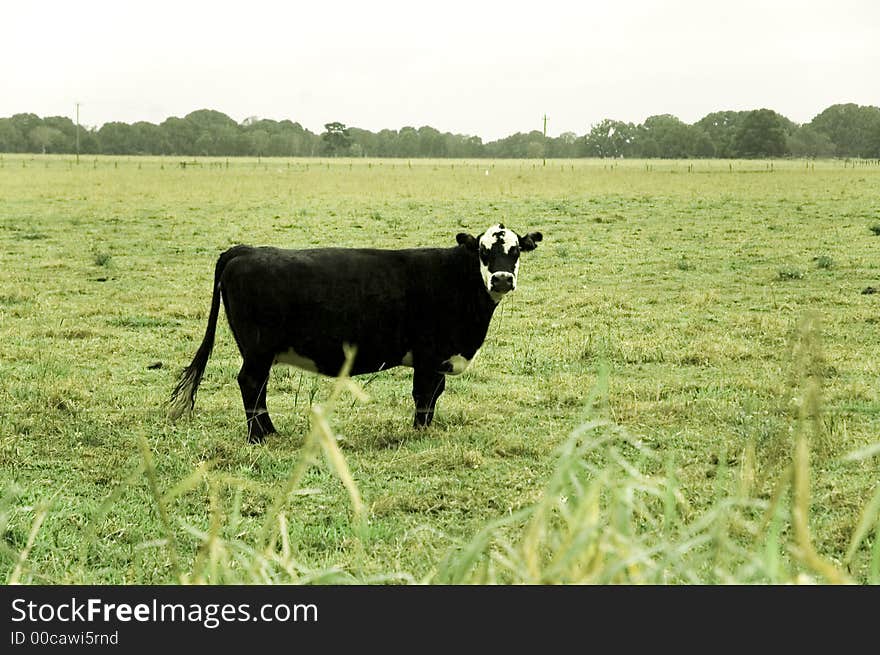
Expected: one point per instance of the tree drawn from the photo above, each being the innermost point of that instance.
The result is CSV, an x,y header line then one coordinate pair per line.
x,y
702,144
44,137
610,138
179,134
510,146
807,141
386,143
225,140
475,147
565,145
88,141
259,142
147,139
854,130
761,133
843,130
24,124
535,146
462,145
407,142
366,142
720,128
204,145
214,132
115,138
535,150
519,146
336,139
11,139
648,147
65,139
208,120
431,142
673,138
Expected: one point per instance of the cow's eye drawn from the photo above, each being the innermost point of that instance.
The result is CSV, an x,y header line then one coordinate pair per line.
x,y
514,250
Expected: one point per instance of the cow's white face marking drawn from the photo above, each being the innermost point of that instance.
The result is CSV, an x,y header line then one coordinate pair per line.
x,y
499,233
293,358
459,363
499,260
407,359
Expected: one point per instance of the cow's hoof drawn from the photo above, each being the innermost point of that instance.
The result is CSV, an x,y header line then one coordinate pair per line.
x,y
259,436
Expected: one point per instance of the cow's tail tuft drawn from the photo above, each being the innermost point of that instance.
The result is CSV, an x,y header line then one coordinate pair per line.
x,y
183,398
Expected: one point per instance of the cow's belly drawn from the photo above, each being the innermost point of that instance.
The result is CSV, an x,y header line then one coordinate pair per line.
x,y
329,358
312,336
383,339
293,358
452,365
368,362
457,364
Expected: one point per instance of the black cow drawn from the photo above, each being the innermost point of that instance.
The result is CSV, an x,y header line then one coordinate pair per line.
x,y
427,308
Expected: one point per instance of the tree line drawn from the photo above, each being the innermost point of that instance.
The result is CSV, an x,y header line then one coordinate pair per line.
x,y
841,130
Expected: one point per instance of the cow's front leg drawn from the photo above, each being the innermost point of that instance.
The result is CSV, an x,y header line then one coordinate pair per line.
x,y
428,384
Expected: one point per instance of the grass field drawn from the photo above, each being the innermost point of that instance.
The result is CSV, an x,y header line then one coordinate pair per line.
x,y
685,386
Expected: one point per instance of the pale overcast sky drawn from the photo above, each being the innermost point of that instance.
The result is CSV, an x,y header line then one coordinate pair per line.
x,y
483,68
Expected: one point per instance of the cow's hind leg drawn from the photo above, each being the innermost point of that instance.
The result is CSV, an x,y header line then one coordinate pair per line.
x,y
427,387
252,379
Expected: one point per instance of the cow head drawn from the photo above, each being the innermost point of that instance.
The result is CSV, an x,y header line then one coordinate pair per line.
x,y
498,249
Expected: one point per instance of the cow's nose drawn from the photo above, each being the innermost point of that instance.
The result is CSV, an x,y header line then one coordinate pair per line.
x,y
502,282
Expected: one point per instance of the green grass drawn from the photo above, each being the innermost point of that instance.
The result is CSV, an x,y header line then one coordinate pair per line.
x,y
641,409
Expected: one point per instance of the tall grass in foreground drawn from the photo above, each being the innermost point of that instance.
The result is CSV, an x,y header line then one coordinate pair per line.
x,y
600,519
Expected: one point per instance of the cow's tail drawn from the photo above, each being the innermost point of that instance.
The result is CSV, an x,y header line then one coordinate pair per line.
x,y
183,398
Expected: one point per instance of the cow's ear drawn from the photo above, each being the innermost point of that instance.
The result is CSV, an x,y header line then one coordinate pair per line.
x,y
466,240
530,241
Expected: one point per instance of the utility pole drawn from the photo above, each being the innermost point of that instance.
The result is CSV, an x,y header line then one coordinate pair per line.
x,y
77,133
545,139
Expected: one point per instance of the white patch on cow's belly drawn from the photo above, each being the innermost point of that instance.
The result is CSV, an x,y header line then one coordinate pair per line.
x,y
407,359
293,358
459,363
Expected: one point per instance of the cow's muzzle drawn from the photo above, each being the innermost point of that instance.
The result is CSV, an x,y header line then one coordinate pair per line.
x,y
502,282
